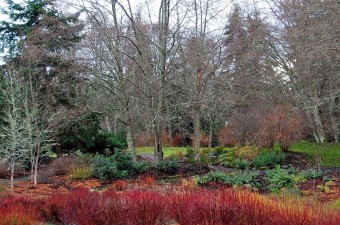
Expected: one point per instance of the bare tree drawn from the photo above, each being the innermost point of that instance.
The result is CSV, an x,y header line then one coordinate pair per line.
x,y
201,50
307,47
14,138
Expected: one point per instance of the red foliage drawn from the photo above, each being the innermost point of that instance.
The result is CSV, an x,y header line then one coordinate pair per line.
x,y
178,141
20,211
150,207
230,207
91,208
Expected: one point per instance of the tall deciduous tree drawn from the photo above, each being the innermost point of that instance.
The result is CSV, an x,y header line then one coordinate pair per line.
x,y
308,51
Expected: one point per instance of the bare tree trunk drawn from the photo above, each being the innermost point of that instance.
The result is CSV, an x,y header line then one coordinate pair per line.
x,y
211,126
334,121
131,141
107,123
37,158
169,126
158,153
32,170
318,124
312,126
164,14
115,126
12,176
197,132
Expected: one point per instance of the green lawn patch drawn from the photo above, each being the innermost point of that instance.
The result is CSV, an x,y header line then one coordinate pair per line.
x,y
329,153
166,150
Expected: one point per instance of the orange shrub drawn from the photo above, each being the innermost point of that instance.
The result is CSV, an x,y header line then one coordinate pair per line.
x,y
204,140
264,126
178,140
226,138
283,124
148,139
120,185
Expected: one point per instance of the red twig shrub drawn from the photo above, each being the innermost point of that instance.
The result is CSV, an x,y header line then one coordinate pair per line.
x,y
220,207
129,208
20,211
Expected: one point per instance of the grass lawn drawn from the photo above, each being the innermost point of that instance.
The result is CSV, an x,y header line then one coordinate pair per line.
x,y
329,153
166,150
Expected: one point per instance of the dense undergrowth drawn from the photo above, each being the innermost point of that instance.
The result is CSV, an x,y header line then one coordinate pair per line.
x,y
149,207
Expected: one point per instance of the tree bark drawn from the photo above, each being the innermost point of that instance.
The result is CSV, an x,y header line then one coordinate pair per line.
x,y
131,141
37,158
312,125
318,124
211,126
107,123
12,176
158,152
197,132
334,121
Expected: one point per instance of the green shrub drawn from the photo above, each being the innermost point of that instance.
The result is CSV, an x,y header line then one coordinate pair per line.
x,y
119,165
190,155
245,178
230,164
268,158
141,167
81,173
241,163
205,156
217,151
110,141
81,131
313,173
84,132
279,178
177,156
212,176
237,179
123,160
168,166
104,168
